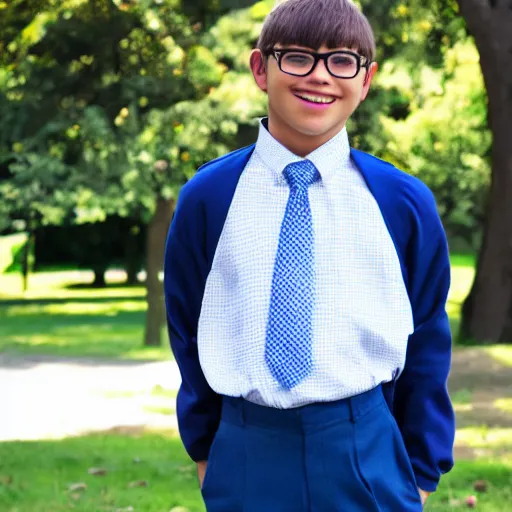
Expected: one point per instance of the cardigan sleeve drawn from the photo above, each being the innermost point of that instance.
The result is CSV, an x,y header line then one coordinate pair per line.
x,y
422,405
185,271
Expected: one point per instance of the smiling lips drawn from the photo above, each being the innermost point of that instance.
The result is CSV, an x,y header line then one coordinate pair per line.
x,y
315,98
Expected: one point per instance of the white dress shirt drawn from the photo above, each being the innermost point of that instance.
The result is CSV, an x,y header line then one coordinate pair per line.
x,y
362,317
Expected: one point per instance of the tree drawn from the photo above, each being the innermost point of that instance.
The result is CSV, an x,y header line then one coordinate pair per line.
x,y
487,312
81,83
109,106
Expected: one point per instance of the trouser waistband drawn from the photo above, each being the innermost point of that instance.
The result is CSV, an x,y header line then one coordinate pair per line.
x,y
242,412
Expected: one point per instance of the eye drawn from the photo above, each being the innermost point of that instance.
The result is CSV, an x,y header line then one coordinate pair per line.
x,y
297,59
343,61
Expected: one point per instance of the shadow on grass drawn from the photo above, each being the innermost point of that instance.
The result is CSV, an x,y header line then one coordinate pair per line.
x,y
69,300
111,333
481,389
22,361
106,286
475,370
53,320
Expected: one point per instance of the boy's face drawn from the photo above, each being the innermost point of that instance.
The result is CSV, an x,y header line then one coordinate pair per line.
x,y
294,117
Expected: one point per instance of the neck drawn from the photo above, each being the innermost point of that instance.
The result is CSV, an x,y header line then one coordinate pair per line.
x,y
300,144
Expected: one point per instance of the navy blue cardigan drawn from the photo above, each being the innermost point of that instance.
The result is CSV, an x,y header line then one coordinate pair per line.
x,y
418,398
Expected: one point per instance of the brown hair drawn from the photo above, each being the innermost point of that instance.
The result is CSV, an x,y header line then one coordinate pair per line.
x,y
312,23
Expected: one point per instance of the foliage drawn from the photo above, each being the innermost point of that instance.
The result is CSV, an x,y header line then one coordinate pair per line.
x,y
117,242
80,85
10,249
109,105
427,111
444,140
95,95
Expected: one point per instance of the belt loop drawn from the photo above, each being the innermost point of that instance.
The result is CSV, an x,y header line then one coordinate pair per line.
x,y
242,412
352,408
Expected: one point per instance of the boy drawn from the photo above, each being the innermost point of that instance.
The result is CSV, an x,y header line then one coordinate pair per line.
x,y
306,285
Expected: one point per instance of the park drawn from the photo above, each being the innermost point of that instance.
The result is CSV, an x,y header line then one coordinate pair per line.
x,y
108,107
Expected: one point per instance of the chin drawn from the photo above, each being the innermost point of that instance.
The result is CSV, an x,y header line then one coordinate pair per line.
x,y
317,130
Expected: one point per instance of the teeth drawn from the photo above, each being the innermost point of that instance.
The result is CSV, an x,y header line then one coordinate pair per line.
x,y
316,99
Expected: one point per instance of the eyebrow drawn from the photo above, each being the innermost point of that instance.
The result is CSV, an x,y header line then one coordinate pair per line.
x,y
308,49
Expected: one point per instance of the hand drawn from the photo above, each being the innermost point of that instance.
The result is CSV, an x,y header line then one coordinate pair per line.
x,y
201,470
424,495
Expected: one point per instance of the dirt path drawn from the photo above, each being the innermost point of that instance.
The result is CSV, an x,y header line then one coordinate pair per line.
x,y
485,386
48,397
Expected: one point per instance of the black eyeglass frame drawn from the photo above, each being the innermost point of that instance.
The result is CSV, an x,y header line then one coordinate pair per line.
x,y
278,54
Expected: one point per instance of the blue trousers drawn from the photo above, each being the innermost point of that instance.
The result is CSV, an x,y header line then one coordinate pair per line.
x,y
343,456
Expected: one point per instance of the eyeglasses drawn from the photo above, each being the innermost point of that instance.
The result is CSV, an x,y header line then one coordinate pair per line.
x,y
340,64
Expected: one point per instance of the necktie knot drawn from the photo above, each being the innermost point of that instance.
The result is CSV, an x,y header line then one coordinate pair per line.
x,y
301,174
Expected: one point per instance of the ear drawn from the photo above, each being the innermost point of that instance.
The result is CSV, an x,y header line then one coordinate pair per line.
x,y
370,73
259,69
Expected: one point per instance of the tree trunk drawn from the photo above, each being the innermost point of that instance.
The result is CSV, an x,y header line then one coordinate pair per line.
x,y
131,257
487,312
131,274
155,247
27,261
99,277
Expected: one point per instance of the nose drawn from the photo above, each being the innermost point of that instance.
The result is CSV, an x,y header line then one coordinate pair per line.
x,y
320,74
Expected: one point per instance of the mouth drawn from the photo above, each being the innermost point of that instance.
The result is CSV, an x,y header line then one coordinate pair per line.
x,y
315,99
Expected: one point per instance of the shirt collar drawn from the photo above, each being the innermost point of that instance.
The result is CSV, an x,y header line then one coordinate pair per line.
x,y
328,158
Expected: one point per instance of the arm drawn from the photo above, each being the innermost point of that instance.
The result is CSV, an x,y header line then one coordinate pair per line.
x,y
185,272
422,405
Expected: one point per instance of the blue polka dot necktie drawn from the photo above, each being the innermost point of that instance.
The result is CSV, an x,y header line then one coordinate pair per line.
x,y
288,350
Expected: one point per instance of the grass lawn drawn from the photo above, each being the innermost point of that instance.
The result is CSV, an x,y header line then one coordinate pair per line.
x,y
149,472
61,315
462,278
8,245
457,486
38,477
